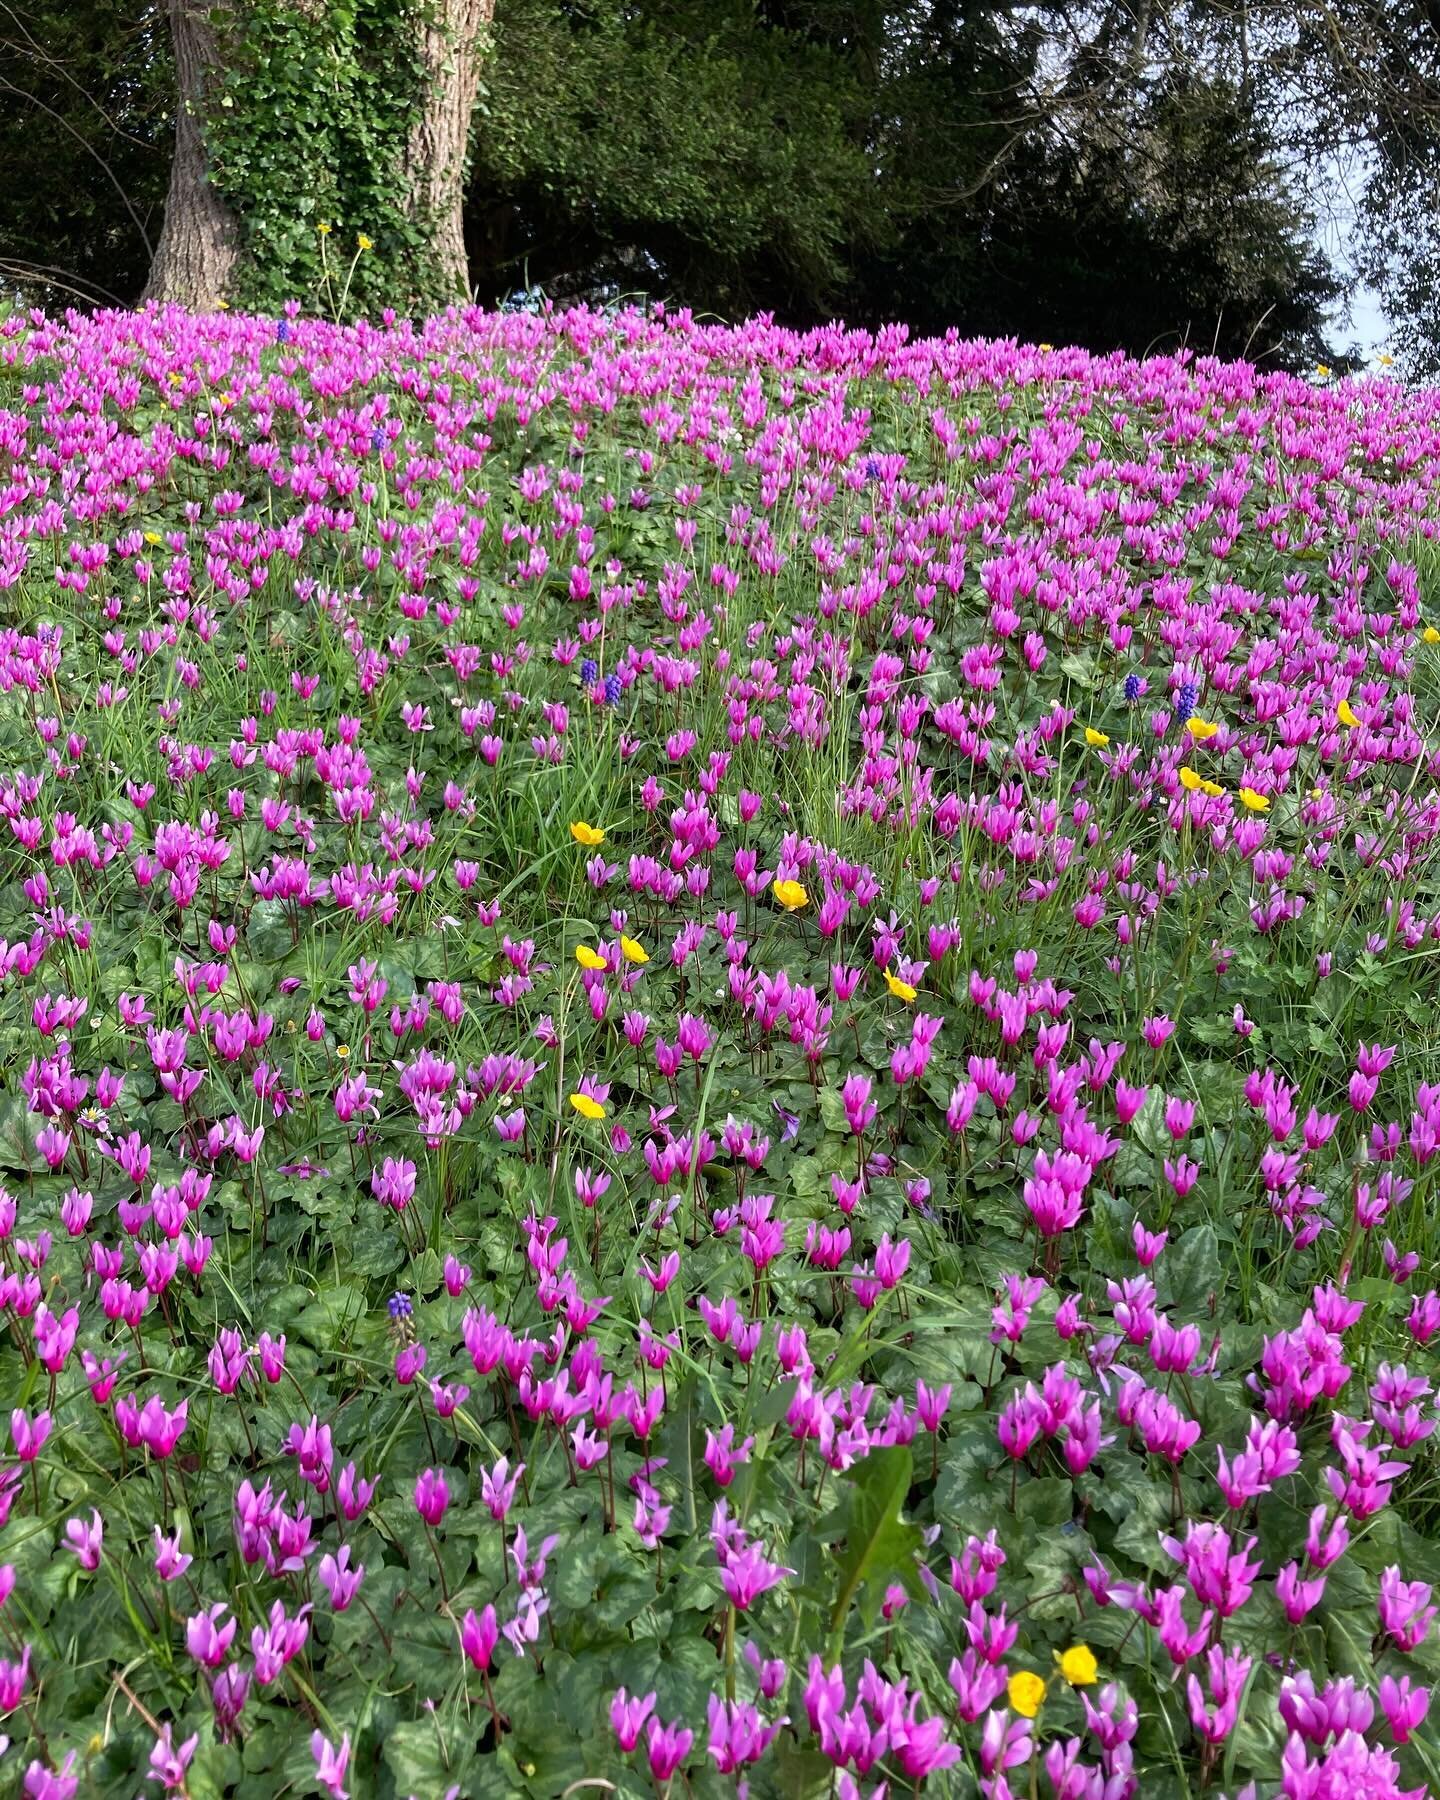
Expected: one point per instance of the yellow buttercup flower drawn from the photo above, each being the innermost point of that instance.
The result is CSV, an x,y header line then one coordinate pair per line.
x,y
791,895
1212,788
1097,740
590,959
1078,1665
902,990
1385,361
1191,780
1345,713
590,836
1026,1692
586,1107
1431,635
323,229
1253,802
1323,371
1202,730
364,242
632,951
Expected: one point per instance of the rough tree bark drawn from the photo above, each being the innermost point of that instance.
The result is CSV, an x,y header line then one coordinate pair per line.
x,y
199,246
452,38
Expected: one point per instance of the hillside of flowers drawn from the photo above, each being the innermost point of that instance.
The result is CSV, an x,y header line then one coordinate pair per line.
x,y
721,1066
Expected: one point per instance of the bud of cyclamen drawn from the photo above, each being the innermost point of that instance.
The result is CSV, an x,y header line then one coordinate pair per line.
x,y
1068,1320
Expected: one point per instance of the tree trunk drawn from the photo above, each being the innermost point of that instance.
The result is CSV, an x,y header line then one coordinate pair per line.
x,y
199,244
451,45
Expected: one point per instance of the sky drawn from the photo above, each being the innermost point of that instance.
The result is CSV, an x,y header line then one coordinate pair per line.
x,y
1335,208
1369,326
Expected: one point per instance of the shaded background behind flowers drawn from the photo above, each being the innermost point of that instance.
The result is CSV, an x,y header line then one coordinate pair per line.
x,y
721,1064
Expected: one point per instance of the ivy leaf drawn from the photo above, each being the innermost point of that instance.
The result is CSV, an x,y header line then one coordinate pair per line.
x,y
1048,1501
331,1316
968,1493
1349,1640
18,1130
1190,1270
880,1545
832,1110
424,1756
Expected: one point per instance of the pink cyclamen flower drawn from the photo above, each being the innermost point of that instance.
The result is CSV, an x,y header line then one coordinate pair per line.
x,y
628,1717
170,1560
1405,1610
667,1746
432,1495
85,1540
331,1763
207,1639
1404,1705
498,1485
169,1761
478,1635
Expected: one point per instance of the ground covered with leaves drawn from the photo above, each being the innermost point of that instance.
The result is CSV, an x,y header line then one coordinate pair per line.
x,y
720,1065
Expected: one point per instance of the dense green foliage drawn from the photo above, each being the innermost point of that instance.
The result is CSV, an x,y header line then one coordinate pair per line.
x,y
86,99
310,131
686,144
916,160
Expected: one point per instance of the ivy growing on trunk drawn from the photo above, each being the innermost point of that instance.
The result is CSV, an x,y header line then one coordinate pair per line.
x,y
309,125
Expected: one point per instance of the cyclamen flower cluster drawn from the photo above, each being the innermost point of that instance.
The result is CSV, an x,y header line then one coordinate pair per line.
x,y
733,1008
